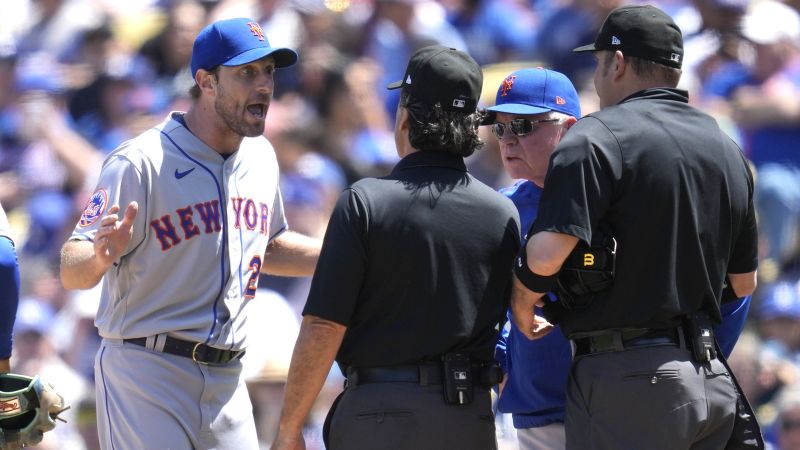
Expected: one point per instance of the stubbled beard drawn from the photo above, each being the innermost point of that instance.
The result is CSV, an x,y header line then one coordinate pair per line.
x,y
235,119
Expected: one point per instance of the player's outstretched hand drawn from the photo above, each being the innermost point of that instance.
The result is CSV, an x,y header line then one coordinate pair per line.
x,y
114,235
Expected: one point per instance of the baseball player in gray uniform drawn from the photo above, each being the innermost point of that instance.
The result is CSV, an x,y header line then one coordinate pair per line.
x,y
203,218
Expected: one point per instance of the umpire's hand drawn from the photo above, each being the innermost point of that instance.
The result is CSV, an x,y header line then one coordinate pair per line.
x,y
523,311
283,442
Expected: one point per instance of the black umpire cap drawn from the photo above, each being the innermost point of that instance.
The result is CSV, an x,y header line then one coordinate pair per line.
x,y
438,74
642,31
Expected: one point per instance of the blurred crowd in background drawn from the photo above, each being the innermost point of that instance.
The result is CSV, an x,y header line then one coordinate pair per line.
x,y
79,77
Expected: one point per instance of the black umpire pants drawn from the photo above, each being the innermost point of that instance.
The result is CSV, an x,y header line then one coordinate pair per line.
x,y
408,416
654,398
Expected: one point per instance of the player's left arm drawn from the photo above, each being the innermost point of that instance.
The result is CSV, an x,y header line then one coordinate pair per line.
x,y
292,254
313,356
9,299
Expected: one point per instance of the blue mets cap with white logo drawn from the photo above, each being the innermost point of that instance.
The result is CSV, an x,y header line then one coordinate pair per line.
x,y
537,91
234,42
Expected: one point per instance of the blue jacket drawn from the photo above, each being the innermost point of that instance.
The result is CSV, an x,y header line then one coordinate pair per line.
x,y
535,390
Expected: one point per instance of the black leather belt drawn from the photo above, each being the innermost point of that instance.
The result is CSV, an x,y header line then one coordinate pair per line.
x,y
198,352
619,340
423,374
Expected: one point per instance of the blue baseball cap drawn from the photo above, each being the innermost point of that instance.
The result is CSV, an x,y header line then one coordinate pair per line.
x,y
537,91
233,42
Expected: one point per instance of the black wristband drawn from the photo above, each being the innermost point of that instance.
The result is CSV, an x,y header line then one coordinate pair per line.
x,y
532,281
728,294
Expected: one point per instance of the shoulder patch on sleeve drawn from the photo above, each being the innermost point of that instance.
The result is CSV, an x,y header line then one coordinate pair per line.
x,y
95,207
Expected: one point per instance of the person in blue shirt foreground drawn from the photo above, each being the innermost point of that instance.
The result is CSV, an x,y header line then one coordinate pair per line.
x,y
533,110
9,294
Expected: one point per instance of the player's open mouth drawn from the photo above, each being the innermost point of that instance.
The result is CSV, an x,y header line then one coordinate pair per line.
x,y
259,110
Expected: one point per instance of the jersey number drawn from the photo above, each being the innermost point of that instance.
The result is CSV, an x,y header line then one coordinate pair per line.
x,y
252,283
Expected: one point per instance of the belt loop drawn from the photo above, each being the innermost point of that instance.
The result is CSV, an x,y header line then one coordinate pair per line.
x,y
423,375
159,341
149,342
681,337
616,340
352,376
238,355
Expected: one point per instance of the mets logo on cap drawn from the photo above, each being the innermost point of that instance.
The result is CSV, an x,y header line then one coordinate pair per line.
x,y
255,28
508,83
94,208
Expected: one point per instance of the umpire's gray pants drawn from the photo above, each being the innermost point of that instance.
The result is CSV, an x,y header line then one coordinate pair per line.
x,y
649,398
407,416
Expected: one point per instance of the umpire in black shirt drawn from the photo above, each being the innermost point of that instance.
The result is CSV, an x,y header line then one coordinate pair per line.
x,y
411,284
677,195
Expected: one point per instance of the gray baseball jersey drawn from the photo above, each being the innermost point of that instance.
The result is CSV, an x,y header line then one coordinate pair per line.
x,y
199,238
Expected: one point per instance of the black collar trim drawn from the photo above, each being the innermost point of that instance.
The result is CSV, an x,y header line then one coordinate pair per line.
x,y
659,94
431,159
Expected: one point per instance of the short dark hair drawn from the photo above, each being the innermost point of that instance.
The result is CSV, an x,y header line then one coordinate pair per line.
x,y
432,128
194,91
651,70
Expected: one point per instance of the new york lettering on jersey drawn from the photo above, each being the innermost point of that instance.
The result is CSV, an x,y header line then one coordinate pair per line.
x,y
248,214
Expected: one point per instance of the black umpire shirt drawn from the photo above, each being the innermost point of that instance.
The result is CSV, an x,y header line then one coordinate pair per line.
x,y
416,264
676,193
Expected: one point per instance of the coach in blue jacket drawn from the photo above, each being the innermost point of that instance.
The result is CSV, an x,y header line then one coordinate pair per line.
x,y
533,110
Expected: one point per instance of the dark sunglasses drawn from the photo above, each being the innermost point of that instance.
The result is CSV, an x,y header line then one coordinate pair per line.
x,y
520,127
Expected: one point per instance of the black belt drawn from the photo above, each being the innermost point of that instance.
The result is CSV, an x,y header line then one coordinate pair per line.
x,y
619,340
198,352
424,374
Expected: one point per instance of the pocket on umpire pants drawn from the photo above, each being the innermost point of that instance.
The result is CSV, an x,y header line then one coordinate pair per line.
x,y
382,415
407,416
378,415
